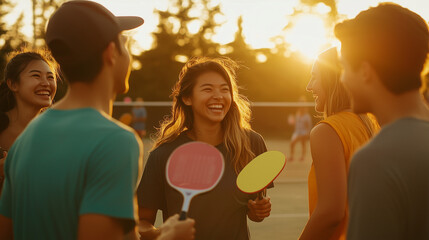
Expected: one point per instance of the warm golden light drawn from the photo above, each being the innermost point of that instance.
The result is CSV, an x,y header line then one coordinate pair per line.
x,y
263,21
261,58
307,35
181,58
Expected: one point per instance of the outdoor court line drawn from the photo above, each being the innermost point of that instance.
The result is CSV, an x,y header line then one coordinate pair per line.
x,y
288,215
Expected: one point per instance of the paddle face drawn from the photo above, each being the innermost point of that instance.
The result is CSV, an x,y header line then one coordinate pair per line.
x,y
194,168
261,171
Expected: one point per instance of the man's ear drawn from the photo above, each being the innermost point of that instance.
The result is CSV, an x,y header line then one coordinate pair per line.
x,y
187,101
109,54
12,85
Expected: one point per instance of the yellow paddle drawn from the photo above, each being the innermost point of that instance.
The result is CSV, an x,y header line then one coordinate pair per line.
x,y
260,172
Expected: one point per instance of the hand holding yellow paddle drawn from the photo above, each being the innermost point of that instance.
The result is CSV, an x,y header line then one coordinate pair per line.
x,y
255,177
259,209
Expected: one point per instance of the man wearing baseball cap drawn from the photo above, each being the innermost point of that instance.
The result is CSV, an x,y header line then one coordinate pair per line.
x,y
73,172
384,50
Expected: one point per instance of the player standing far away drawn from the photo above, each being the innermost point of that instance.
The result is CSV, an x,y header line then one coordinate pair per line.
x,y
73,172
384,50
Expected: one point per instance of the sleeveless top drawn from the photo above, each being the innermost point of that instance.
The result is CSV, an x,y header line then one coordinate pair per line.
x,y
353,134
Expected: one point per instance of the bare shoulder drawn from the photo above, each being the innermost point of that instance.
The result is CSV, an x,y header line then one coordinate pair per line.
x,y
323,131
323,137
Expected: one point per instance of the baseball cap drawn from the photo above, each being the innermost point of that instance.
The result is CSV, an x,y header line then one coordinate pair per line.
x,y
79,29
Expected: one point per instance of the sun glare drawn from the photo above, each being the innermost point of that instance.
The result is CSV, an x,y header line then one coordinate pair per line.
x,y
307,35
194,26
263,21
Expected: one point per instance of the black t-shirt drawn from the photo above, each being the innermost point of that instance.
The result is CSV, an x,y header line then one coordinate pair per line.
x,y
219,214
389,184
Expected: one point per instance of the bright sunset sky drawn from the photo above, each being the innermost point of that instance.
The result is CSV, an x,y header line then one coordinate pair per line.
x,y
262,20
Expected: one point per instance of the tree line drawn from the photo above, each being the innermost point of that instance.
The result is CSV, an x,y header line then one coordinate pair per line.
x,y
280,77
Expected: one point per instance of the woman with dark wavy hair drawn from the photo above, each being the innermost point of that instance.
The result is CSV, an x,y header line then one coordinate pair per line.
x,y
29,86
206,107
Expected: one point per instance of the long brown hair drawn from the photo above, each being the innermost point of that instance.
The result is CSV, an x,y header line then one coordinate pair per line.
x,y
235,125
337,96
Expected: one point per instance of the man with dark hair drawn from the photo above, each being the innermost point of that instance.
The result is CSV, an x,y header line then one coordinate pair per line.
x,y
74,171
384,50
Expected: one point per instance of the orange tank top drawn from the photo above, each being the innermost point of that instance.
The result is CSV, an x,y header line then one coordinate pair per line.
x,y
353,134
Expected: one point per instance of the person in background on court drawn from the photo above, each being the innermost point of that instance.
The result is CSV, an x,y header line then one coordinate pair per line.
x,y
333,141
126,117
139,117
28,87
302,126
207,107
384,50
74,171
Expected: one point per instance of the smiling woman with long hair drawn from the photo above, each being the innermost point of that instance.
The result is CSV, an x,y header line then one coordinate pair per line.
x,y
333,141
29,86
206,107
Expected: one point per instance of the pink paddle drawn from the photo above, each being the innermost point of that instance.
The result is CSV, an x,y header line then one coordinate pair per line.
x,y
194,168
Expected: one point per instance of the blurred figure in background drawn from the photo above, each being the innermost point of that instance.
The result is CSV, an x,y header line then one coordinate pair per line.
x,y
302,126
139,118
333,141
126,118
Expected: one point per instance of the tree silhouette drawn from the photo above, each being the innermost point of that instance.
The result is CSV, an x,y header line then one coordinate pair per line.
x,y
11,37
279,78
42,10
161,65
240,50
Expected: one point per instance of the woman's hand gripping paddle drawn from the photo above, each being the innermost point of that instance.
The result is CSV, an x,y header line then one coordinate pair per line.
x,y
260,172
194,168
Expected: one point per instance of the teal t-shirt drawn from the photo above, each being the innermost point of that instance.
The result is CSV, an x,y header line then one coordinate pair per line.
x,y
68,163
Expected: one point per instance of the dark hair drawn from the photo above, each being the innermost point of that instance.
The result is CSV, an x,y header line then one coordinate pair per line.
x,y
84,70
17,63
393,39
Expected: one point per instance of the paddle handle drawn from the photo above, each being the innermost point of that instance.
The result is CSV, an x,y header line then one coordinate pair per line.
x,y
182,215
187,196
262,194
